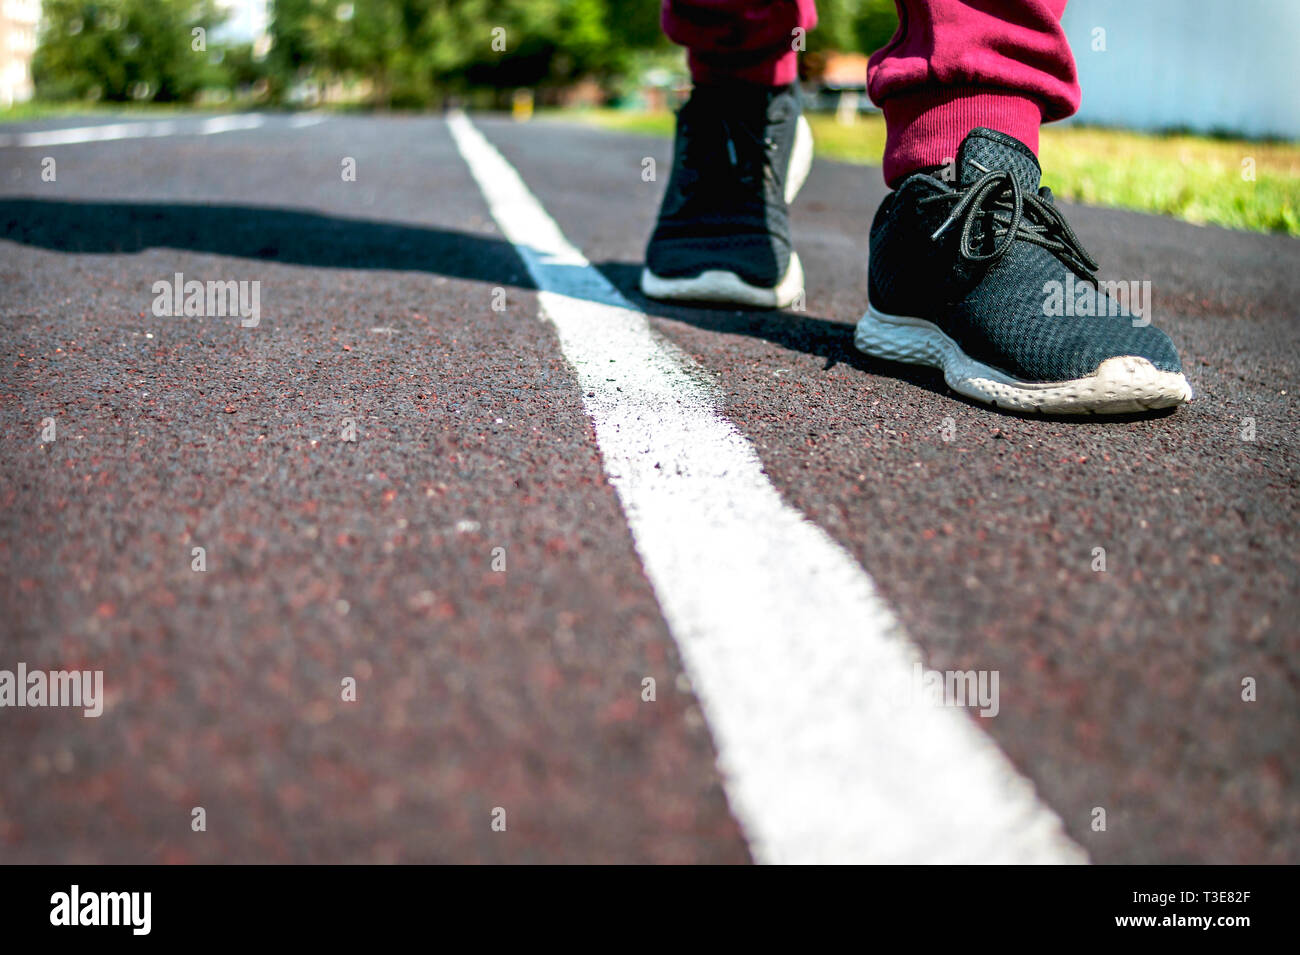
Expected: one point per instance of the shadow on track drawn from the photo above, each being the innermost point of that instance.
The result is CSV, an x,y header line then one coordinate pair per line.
x,y
291,236
795,331
303,237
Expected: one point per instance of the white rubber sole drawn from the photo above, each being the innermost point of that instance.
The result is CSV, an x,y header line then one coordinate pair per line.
x,y
718,285
1120,385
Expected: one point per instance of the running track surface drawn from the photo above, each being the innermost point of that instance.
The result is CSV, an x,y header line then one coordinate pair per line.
x,y
481,428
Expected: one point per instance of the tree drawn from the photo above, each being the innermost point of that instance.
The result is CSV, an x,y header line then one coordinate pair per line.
x,y
125,49
414,52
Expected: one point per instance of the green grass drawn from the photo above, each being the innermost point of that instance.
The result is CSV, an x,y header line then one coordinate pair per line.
x,y
35,109
1195,178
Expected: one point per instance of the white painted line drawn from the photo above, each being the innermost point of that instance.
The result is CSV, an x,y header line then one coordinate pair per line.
x,y
141,130
226,124
795,659
303,120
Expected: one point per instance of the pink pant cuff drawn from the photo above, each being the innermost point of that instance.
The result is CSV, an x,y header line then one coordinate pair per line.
x,y
925,128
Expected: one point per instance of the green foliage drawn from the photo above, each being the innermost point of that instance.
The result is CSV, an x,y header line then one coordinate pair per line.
x,y
241,70
120,50
416,52
862,26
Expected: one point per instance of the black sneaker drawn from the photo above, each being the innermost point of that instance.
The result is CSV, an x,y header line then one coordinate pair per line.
x,y
723,234
985,279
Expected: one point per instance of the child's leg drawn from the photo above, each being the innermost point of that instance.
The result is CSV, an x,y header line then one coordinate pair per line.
x,y
954,65
741,153
747,41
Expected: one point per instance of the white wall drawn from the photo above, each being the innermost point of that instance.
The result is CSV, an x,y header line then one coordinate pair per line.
x,y
1202,64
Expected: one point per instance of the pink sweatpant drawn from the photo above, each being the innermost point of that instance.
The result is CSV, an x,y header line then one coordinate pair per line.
x,y
953,65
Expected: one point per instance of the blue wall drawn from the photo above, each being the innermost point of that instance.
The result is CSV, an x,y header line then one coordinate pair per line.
x,y
1202,64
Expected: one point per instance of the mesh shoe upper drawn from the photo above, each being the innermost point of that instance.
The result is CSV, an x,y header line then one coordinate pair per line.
x,y
991,261
724,207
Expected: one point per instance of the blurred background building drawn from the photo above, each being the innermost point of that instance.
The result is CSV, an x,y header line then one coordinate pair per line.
x,y
18,22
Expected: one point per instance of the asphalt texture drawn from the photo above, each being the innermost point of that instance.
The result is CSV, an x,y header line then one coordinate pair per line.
x,y
520,688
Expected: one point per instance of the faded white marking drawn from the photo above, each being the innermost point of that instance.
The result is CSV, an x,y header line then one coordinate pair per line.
x,y
140,130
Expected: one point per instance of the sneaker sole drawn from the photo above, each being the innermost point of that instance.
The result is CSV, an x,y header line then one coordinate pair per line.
x,y
718,285
1120,385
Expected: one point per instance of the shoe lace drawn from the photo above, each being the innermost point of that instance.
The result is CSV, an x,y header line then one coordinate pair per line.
x,y
997,197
